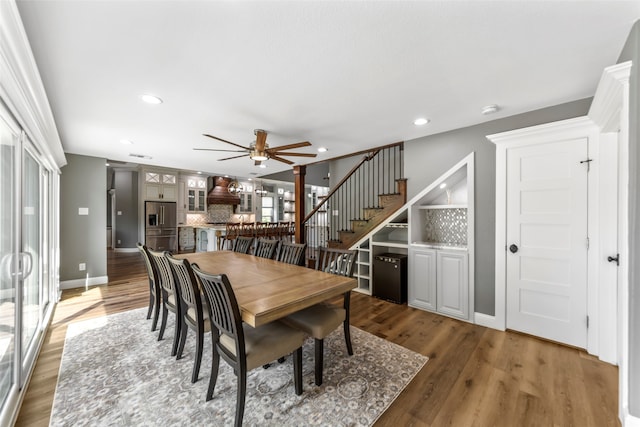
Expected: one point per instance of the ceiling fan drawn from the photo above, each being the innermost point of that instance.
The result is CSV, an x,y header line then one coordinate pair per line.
x,y
259,151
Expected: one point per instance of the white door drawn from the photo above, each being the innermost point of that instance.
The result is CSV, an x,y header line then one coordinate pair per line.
x,y
547,240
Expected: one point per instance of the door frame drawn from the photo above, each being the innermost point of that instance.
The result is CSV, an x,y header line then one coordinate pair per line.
x,y
610,112
580,127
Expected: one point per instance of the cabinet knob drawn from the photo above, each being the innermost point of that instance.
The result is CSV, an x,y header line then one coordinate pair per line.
x,y
513,249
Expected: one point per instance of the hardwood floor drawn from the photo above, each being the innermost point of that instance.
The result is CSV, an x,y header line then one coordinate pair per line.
x,y
475,376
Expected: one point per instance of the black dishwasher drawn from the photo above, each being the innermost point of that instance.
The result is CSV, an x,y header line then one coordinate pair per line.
x,y
390,277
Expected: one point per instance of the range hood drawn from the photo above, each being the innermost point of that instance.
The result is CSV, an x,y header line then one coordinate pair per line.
x,y
219,194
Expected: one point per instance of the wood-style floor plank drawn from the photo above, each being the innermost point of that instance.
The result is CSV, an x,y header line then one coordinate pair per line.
x,y
475,376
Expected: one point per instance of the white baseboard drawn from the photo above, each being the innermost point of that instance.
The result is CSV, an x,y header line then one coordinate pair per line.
x,y
126,250
486,320
81,283
630,421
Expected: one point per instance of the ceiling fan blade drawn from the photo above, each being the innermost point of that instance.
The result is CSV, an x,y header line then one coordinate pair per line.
x,y
290,146
279,153
215,149
234,157
280,159
261,139
224,140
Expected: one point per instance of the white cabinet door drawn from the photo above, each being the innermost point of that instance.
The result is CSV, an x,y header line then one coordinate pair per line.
x,y
152,191
169,193
422,279
452,284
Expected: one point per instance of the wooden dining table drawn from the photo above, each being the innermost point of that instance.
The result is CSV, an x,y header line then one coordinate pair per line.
x,y
267,290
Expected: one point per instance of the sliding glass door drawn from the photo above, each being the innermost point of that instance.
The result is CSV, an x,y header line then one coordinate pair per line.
x,y
9,139
25,258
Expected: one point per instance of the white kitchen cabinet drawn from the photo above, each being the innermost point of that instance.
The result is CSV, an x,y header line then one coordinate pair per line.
x,y
160,185
421,290
452,278
439,281
196,195
246,203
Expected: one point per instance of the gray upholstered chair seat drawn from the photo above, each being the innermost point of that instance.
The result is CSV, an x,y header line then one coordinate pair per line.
x,y
266,343
318,320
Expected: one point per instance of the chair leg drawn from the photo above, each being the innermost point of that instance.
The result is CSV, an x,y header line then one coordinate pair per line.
x,y
242,391
163,324
297,370
176,335
215,364
319,360
196,363
156,313
151,301
347,338
183,338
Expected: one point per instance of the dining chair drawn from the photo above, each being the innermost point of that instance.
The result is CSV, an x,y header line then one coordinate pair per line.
x,y
243,244
243,347
292,253
321,319
266,248
155,293
195,314
231,233
170,296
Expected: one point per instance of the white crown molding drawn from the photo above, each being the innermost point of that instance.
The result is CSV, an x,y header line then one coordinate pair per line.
x,y
21,87
532,134
606,106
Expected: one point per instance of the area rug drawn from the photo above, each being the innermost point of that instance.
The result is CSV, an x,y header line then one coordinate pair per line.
x,y
114,372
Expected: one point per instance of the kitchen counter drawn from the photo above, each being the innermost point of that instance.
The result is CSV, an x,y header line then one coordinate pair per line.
x,y
440,245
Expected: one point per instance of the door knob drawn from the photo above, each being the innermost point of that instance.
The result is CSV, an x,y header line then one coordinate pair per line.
x,y
513,249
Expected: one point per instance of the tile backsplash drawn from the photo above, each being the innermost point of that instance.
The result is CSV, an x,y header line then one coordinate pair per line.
x,y
220,213
446,225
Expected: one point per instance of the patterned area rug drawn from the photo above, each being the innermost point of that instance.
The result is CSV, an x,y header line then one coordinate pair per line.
x,y
115,372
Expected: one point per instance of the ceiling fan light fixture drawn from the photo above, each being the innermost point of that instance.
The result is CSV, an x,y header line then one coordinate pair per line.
x,y
151,99
259,156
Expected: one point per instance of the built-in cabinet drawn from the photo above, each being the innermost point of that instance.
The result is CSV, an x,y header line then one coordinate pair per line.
x,y
160,185
435,230
196,194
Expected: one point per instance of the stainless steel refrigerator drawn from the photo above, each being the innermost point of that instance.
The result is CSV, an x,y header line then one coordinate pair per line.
x,y
161,233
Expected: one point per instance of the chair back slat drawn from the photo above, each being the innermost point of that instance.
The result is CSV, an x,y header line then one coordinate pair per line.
x,y
224,312
184,278
292,253
336,261
266,248
151,268
164,272
243,244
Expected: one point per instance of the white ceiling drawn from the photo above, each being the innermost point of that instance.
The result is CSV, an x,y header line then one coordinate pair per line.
x,y
344,75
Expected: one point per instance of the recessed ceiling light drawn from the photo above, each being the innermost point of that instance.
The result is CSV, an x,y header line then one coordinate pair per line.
x,y
199,173
150,99
107,164
249,179
421,121
489,109
322,149
126,142
444,184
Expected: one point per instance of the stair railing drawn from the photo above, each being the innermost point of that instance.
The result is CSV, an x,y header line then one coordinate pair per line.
x,y
375,174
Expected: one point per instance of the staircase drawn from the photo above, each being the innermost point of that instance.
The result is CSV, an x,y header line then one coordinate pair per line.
x,y
368,194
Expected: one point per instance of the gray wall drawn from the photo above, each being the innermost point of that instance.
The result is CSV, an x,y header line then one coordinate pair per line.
x,y
631,51
126,224
429,157
83,238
